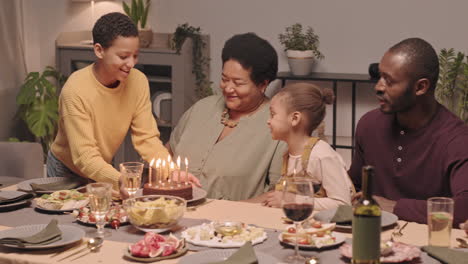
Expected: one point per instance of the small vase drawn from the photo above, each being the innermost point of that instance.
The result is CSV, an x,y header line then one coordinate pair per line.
x,y
300,62
146,37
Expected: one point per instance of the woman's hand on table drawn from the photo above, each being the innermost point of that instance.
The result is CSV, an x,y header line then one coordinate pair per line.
x,y
191,178
273,199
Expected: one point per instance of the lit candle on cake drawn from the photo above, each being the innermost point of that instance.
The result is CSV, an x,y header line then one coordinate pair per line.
x,y
163,172
158,172
178,170
168,166
150,177
170,173
186,170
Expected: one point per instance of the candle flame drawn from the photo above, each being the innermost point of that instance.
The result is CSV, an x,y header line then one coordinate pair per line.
x,y
169,159
151,163
186,162
178,161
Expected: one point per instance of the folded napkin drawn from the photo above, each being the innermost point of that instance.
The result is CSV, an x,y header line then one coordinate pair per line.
x,y
48,235
343,215
245,255
66,184
20,197
447,255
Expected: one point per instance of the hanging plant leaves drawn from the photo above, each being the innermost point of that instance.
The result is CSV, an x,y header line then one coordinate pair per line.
x,y
200,63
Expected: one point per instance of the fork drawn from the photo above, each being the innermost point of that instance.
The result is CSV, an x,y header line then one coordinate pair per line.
x,y
398,233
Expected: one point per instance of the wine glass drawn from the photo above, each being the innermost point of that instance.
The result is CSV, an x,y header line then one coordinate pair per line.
x,y
297,203
131,176
100,196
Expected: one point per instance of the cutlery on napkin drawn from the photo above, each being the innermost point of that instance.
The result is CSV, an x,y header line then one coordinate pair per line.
x,y
66,184
447,255
245,255
48,235
343,215
20,197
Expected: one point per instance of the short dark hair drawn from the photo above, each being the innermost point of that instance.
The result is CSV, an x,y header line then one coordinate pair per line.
x,y
110,26
422,60
254,54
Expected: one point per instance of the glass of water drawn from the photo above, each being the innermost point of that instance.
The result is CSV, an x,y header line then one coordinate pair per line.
x,y
130,173
100,198
439,220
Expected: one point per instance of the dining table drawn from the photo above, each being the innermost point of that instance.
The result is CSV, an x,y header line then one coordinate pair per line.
x,y
115,245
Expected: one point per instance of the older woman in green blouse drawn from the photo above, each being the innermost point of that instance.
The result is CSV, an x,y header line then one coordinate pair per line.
x,y
225,136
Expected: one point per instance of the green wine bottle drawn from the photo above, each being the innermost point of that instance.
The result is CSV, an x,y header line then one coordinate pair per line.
x,y
366,223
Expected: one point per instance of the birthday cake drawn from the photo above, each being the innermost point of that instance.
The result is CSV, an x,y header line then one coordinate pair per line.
x,y
182,190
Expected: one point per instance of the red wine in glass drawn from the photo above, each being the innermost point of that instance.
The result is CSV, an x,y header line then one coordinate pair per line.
x,y
298,212
297,203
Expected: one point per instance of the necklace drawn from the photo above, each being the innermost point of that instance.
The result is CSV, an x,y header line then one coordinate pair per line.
x,y
231,123
226,121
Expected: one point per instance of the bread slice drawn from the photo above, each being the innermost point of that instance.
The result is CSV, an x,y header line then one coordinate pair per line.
x,y
48,204
305,233
325,227
72,204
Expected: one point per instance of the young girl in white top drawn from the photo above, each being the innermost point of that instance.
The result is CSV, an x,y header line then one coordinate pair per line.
x,y
296,111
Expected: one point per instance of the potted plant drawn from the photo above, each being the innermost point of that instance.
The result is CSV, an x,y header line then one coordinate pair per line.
x,y
138,12
37,103
301,48
200,63
452,87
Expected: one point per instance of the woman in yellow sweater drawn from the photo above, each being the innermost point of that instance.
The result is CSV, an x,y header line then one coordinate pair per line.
x,y
100,103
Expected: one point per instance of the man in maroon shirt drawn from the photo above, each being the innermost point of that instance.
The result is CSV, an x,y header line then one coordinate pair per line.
x,y
418,148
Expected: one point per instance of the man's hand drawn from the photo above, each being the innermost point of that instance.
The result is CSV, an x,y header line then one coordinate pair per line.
x,y
464,226
385,204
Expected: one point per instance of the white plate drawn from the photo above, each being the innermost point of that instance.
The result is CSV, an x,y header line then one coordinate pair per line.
x,y
340,238
388,219
52,210
197,193
177,254
12,194
70,234
26,185
208,256
215,243
123,220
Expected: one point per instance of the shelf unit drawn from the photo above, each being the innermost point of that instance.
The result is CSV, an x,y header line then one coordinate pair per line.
x,y
166,70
